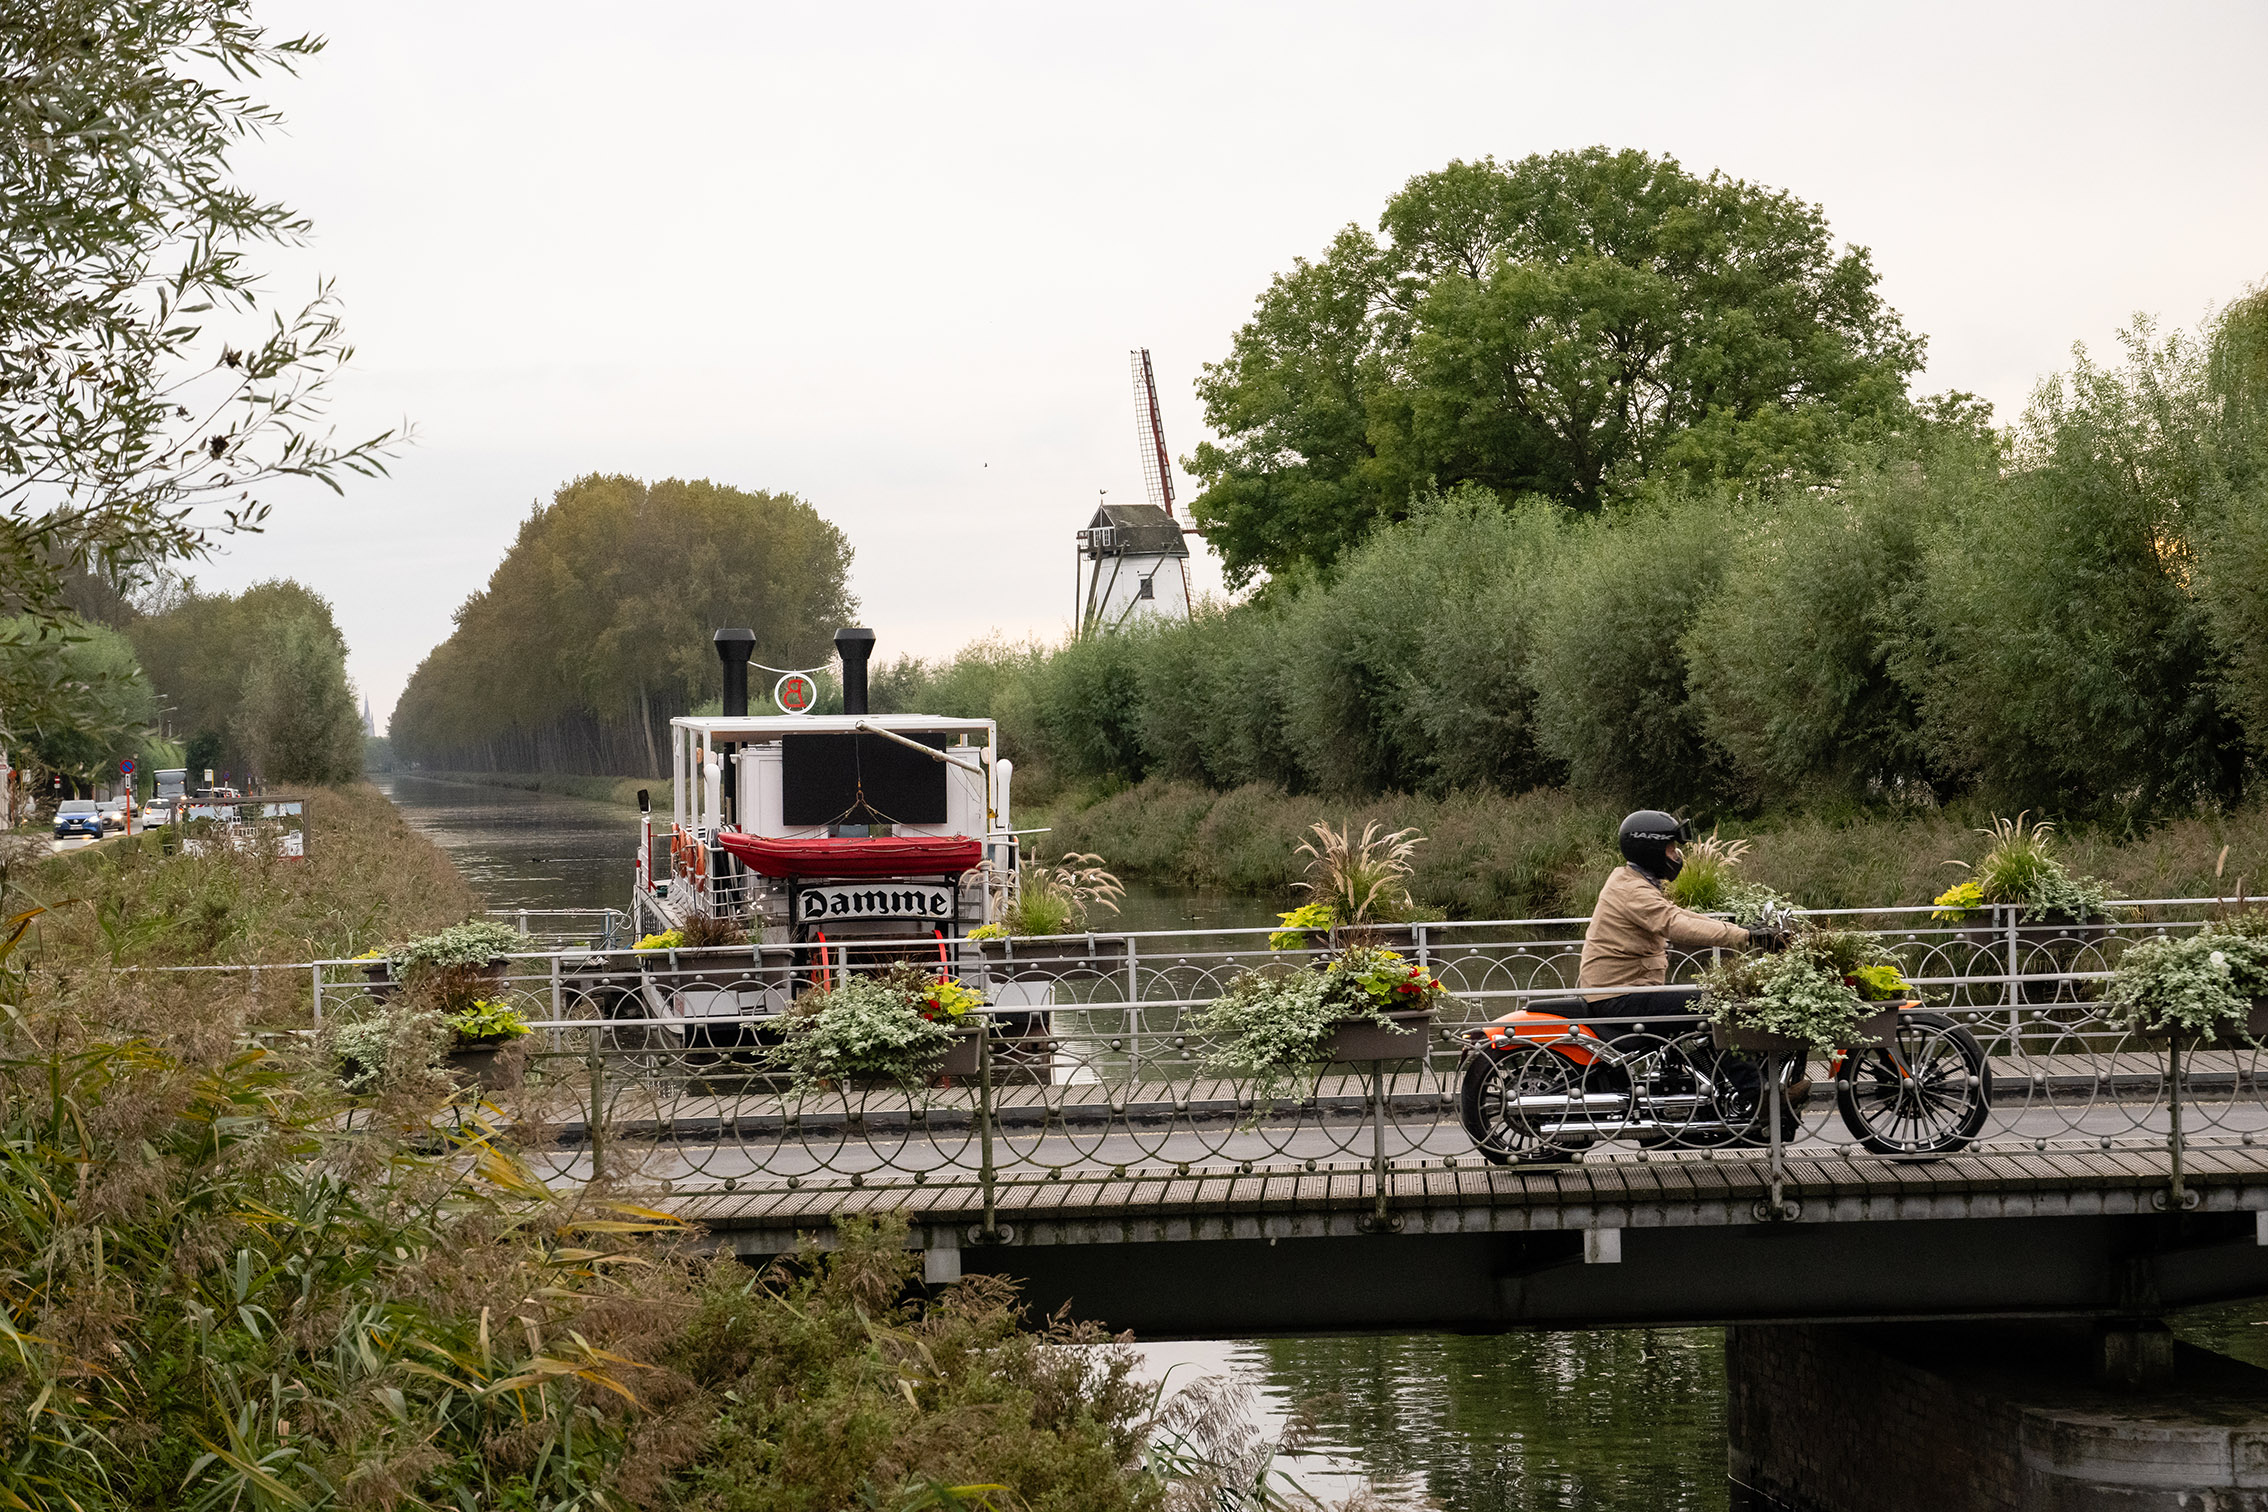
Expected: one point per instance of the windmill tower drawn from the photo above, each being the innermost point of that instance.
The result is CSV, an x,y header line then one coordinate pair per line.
x,y
1132,561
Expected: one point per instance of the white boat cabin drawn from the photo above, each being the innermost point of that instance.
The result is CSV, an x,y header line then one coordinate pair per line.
x,y
803,828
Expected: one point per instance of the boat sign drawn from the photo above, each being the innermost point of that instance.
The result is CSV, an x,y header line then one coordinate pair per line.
x,y
828,902
795,693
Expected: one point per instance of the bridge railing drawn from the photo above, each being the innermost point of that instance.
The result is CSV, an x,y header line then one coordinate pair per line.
x,y
667,1065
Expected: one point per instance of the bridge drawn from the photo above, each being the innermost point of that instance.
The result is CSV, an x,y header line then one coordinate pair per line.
x,y
1095,1158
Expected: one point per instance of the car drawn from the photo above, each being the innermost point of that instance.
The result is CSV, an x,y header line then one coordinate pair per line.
x,y
78,816
114,814
157,811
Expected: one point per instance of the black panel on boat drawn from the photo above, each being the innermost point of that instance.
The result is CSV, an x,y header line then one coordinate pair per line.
x,y
824,777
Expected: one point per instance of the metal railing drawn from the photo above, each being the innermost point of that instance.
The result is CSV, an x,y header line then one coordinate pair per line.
x,y
569,928
665,1065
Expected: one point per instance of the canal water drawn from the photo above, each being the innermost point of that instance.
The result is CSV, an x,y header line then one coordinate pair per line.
x,y
1621,1421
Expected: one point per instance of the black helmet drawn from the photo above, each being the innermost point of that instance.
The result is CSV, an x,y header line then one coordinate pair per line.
x,y
1646,835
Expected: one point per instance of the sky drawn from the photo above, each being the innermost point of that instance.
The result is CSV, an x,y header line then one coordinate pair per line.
x,y
891,258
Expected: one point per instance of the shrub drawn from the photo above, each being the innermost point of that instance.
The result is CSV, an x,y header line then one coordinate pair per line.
x,y
2060,653
1061,899
2201,984
1609,668
1789,656
1274,1021
865,1027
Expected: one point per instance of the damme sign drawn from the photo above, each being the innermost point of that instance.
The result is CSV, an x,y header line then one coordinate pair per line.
x,y
851,900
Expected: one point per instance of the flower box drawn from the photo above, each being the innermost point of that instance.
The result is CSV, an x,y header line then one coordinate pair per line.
x,y
1869,1033
964,1058
1362,1039
484,1063
1049,955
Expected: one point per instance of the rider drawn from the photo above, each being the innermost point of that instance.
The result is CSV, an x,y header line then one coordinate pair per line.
x,y
1626,948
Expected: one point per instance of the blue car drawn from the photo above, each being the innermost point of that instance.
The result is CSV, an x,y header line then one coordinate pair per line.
x,y
78,816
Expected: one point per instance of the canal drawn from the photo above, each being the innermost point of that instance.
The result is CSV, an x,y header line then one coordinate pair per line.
x,y
1623,1421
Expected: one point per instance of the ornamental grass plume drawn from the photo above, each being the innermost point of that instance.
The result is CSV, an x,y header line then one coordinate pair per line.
x,y
1356,876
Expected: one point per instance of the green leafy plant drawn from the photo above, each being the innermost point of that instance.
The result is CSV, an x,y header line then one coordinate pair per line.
x,y
1274,1021
474,943
2018,870
945,998
1817,990
1303,922
482,1022
667,939
1958,903
988,932
389,1051
868,1028
2201,985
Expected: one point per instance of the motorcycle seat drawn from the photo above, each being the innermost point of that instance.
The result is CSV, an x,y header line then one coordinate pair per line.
x,y
1562,1007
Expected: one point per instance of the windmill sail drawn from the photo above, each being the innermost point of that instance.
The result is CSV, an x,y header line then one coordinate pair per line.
x,y
1149,432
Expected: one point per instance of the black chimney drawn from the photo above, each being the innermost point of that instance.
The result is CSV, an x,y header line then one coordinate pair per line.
x,y
854,646
734,647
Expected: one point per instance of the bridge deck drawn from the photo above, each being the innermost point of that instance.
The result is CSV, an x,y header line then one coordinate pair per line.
x,y
1665,1192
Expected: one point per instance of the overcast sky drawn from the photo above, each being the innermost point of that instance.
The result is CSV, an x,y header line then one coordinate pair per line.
x,y
891,258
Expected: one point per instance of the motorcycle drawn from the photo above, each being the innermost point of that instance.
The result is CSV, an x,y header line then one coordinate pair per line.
x,y
1541,1085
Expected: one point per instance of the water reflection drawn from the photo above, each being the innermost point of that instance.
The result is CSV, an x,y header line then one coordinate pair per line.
x,y
1587,1422
521,849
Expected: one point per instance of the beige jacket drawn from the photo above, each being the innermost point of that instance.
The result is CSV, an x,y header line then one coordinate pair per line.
x,y
1627,943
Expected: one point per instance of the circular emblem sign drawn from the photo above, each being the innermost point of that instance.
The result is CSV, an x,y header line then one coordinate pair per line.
x,y
795,693
126,766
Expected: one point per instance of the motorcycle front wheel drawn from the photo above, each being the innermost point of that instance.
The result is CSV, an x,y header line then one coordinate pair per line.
x,y
1507,1096
1924,1093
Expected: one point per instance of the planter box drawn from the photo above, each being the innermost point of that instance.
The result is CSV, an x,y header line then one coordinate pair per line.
x,y
1869,1033
2256,1026
962,1059
487,1066
1363,1040
1048,956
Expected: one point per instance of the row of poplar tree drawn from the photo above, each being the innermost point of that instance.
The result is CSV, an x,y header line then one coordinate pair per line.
x,y
594,631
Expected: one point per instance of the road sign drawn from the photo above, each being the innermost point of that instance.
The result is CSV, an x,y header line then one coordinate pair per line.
x,y
795,693
126,766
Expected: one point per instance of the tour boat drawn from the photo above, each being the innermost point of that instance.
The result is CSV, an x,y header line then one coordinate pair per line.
x,y
831,840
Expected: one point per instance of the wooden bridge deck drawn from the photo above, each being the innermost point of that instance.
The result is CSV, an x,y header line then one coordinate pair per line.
x,y
1672,1192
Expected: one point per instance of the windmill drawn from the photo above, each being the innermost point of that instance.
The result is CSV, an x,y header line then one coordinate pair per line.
x,y
1132,562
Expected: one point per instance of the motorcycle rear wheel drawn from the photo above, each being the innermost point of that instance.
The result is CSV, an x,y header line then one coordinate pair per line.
x,y
1493,1081
1936,1109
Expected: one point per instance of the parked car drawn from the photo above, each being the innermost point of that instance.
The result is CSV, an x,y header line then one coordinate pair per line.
x,y
78,816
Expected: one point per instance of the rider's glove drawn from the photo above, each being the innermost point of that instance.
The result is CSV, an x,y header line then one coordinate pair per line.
x,y
1768,939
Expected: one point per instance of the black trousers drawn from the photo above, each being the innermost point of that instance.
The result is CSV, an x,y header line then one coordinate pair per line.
x,y
1646,1004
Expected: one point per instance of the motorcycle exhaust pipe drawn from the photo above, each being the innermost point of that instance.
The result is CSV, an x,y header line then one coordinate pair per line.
x,y
1614,1128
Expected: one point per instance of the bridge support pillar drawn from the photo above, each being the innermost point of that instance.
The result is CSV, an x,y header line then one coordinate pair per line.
x,y
1991,1418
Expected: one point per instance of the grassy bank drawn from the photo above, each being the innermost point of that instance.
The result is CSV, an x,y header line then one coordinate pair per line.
x,y
367,879
234,1285
1544,853
622,790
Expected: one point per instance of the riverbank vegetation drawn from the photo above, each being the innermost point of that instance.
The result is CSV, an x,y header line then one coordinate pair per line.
x,y
367,879
594,631
231,1283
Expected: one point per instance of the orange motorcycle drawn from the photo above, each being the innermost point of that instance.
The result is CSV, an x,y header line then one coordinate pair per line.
x,y
1540,1084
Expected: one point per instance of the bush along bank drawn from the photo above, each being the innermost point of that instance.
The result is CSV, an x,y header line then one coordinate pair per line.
x,y
1544,854
2060,616
234,1281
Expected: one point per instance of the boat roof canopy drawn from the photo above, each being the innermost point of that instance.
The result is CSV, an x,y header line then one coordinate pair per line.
x,y
744,727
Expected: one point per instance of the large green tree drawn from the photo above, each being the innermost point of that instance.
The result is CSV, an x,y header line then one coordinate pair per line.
x,y
255,682
146,391
1565,326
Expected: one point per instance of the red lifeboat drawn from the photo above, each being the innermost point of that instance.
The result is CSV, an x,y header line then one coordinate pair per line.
x,y
873,856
